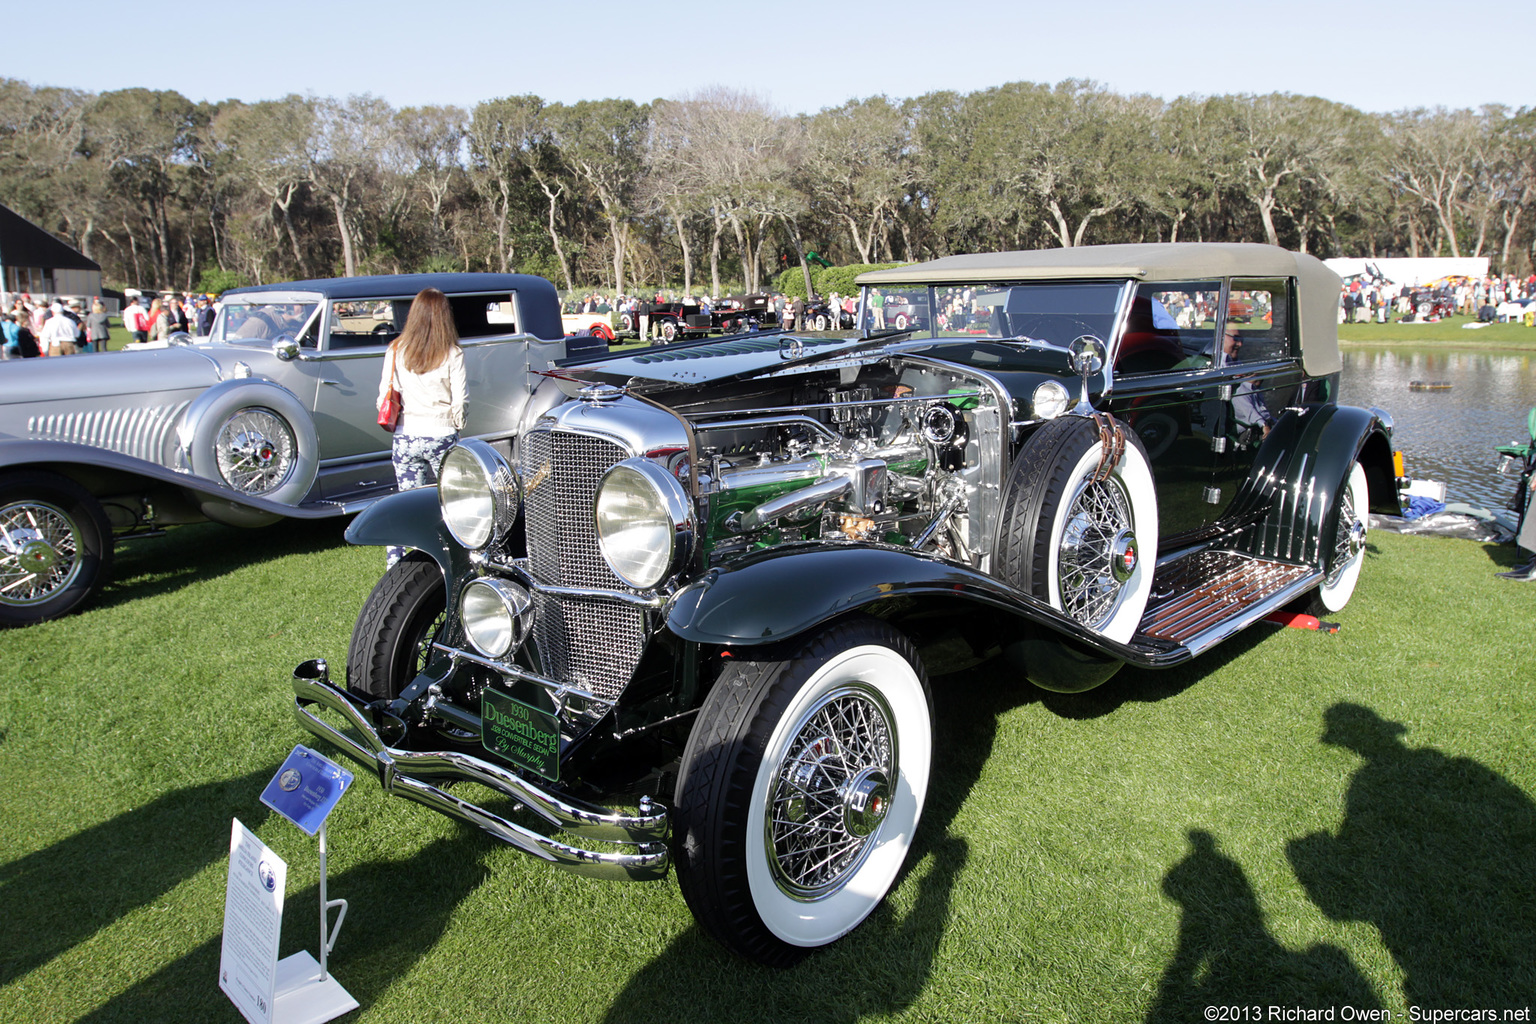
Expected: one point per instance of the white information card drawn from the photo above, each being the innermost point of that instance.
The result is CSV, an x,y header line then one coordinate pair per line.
x,y
253,924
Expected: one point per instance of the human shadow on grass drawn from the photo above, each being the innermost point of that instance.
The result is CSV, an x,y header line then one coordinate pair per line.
x,y
882,966
391,923
60,896
1226,956
205,551
1439,854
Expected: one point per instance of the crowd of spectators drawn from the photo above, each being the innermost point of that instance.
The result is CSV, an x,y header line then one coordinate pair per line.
x,y
34,326
1365,301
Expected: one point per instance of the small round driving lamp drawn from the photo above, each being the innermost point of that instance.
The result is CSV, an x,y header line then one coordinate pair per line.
x,y
478,493
644,522
496,616
1049,401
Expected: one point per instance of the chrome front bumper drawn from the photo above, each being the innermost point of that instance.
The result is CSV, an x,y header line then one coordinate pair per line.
x,y
404,773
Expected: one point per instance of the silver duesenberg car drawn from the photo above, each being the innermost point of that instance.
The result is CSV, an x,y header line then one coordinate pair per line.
x,y
274,415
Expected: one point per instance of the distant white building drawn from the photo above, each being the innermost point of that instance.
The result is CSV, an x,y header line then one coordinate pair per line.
x,y
1407,270
34,261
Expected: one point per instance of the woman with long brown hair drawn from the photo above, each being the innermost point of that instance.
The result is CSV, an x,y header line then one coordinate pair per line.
x,y
426,365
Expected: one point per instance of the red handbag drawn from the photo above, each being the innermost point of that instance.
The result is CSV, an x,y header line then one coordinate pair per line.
x,y
389,411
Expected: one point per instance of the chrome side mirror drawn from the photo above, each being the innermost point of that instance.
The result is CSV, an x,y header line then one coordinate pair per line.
x,y
285,348
178,338
1088,354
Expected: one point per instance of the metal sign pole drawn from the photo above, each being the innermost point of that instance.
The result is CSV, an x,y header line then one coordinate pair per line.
x,y
327,941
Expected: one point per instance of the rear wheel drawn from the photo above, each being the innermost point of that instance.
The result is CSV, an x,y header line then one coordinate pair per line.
x,y
1341,567
55,547
392,641
800,788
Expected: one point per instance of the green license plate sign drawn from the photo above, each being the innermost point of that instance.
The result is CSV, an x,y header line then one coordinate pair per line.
x,y
523,735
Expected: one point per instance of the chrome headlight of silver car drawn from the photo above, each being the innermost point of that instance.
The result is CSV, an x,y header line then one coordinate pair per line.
x,y
479,494
497,616
1049,401
644,522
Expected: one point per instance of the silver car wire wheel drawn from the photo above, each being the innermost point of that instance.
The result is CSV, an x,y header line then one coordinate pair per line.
x,y
1097,516
255,449
831,793
39,552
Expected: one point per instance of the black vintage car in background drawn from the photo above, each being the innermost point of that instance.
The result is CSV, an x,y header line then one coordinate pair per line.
x,y
677,629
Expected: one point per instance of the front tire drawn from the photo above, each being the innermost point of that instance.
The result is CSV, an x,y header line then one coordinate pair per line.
x,y
392,641
800,789
55,547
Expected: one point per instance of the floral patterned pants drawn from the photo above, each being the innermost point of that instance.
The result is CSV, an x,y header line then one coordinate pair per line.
x,y
416,460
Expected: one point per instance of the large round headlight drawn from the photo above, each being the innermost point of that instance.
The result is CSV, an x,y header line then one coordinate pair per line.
x,y
496,616
1049,401
478,493
644,522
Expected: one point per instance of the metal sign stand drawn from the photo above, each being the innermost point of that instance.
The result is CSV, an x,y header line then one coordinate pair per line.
x,y
306,993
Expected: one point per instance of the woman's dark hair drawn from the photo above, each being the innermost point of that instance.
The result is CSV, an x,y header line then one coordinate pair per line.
x,y
429,332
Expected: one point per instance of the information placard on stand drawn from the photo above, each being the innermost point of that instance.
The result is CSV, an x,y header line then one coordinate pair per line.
x,y
298,989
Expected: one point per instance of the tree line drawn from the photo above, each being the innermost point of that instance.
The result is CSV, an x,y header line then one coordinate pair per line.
x,y
717,189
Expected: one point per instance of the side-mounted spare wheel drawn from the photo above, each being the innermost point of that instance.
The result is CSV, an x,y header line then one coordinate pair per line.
x,y
1079,531
800,788
255,437
55,546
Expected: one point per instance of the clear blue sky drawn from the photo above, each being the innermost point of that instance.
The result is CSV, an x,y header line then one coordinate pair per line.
x,y
799,56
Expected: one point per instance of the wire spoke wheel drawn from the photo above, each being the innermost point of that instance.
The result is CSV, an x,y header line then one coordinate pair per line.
x,y
255,450
39,552
832,792
1098,515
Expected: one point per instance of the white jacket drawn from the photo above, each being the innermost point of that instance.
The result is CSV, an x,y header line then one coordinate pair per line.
x,y
431,403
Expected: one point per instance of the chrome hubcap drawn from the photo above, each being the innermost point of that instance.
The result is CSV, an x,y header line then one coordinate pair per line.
x,y
1098,552
831,793
39,552
255,450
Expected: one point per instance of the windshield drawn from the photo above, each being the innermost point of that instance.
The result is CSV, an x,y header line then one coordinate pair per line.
x,y
1054,312
261,321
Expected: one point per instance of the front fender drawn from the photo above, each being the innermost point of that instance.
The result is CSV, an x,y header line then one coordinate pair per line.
x,y
1303,465
409,519
788,590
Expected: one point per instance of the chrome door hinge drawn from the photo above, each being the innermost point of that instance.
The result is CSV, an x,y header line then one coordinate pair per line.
x,y
1213,495
1219,444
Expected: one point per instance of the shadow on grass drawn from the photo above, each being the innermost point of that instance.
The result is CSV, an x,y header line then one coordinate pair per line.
x,y
881,967
379,941
205,551
1439,854
56,898
1226,956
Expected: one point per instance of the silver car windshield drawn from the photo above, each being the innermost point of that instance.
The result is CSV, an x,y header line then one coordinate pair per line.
x,y
1054,312
262,321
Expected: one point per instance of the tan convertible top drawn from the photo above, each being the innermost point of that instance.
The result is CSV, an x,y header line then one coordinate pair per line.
x,y
1317,287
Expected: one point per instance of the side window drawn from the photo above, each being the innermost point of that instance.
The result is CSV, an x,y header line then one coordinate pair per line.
x,y
1260,324
357,323
500,317
1171,326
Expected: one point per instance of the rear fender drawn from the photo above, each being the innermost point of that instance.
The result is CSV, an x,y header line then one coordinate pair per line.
x,y
1303,465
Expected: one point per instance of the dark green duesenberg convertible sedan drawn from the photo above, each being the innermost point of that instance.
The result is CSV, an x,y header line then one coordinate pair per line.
x,y
677,629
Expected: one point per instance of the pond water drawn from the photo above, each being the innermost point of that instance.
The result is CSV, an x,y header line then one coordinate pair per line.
x,y
1448,435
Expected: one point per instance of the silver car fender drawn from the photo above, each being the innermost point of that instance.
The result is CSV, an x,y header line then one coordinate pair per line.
x,y
252,435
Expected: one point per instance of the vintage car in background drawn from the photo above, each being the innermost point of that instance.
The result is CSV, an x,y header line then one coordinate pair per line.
x,y
273,416
743,312
681,627
595,325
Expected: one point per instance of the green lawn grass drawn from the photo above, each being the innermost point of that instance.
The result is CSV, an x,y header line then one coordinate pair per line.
x,y
1452,332
1297,819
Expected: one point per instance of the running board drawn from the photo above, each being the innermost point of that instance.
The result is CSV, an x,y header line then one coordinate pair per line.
x,y
1205,597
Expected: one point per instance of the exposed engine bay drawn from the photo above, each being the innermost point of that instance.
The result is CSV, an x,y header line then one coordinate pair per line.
x,y
899,451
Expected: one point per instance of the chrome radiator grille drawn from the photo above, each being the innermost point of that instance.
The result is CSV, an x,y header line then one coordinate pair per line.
x,y
592,644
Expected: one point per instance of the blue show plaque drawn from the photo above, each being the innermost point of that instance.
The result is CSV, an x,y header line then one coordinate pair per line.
x,y
306,788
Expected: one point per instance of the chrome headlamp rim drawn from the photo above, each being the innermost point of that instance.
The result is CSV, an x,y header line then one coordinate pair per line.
x,y
497,481
1049,400
503,606
671,500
